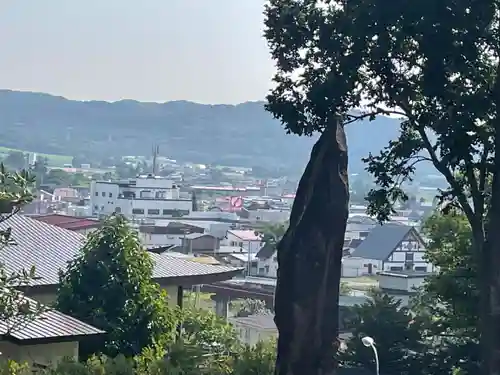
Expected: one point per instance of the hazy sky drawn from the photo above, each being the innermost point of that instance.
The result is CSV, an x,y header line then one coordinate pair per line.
x,y
208,51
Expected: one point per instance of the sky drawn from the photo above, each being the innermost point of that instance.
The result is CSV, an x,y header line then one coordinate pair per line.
x,y
148,50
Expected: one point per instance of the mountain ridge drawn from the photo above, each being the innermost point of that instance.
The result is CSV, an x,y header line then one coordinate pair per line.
x,y
238,134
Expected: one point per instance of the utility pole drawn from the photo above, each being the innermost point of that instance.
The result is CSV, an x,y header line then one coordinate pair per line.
x,y
156,152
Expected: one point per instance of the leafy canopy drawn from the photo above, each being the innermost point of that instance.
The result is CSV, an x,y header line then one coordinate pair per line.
x,y
109,285
433,64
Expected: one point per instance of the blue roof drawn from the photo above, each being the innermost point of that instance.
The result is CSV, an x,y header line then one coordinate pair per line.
x,y
382,241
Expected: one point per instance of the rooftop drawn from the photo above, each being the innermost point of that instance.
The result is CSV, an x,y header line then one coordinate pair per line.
x,y
68,222
49,248
245,235
51,325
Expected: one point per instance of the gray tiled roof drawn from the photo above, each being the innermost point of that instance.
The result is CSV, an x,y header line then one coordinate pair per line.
x,y
46,246
168,266
49,248
382,241
51,324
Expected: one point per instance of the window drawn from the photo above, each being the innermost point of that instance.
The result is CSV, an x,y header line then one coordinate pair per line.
x,y
102,208
103,193
96,207
146,194
409,257
396,268
160,195
233,243
96,193
118,210
240,244
137,211
421,269
110,195
154,211
175,212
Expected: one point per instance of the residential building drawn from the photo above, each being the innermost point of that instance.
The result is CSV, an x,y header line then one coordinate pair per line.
x,y
401,284
388,247
267,262
246,239
45,340
141,197
49,248
254,328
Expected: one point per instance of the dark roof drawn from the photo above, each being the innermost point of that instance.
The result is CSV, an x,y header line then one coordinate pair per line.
x,y
382,241
171,228
266,252
193,236
259,321
355,242
68,222
49,248
50,325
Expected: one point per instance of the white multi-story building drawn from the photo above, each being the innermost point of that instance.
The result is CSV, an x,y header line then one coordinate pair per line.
x,y
139,198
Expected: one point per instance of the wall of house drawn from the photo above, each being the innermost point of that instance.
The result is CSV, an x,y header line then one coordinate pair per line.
x,y
172,291
159,240
232,240
43,354
251,335
268,267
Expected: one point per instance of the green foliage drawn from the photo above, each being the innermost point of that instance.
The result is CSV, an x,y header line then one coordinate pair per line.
x,y
396,332
449,300
257,360
250,306
272,233
345,289
109,286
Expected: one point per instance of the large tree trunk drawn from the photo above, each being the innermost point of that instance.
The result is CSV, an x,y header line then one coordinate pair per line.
x,y
490,278
309,259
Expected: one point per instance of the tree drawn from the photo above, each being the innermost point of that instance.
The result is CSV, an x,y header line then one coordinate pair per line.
x,y
307,100
395,331
433,65
450,298
109,286
15,309
251,307
15,160
272,233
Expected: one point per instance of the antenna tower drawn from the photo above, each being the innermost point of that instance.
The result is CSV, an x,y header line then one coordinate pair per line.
x,y
156,152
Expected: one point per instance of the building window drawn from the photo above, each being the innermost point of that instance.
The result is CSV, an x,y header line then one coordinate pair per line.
x,y
102,208
146,194
154,211
103,194
110,195
137,211
118,210
160,195
96,207
96,193
409,257
421,269
396,268
233,243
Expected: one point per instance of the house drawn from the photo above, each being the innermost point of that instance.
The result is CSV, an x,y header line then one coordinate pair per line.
x,y
401,284
254,328
49,248
172,233
73,223
200,243
260,327
267,261
44,340
390,247
244,238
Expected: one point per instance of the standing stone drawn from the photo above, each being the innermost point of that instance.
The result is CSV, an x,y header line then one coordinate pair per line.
x,y
310,260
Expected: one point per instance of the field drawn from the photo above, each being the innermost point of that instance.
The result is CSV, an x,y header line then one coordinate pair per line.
x,y
53,160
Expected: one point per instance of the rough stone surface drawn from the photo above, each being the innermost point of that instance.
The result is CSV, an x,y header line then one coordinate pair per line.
x,y
309,258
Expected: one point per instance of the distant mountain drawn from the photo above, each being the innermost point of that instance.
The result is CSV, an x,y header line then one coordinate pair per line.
x,y
243,134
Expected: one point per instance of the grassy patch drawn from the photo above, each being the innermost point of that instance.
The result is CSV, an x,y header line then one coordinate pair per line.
x,y
53,160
